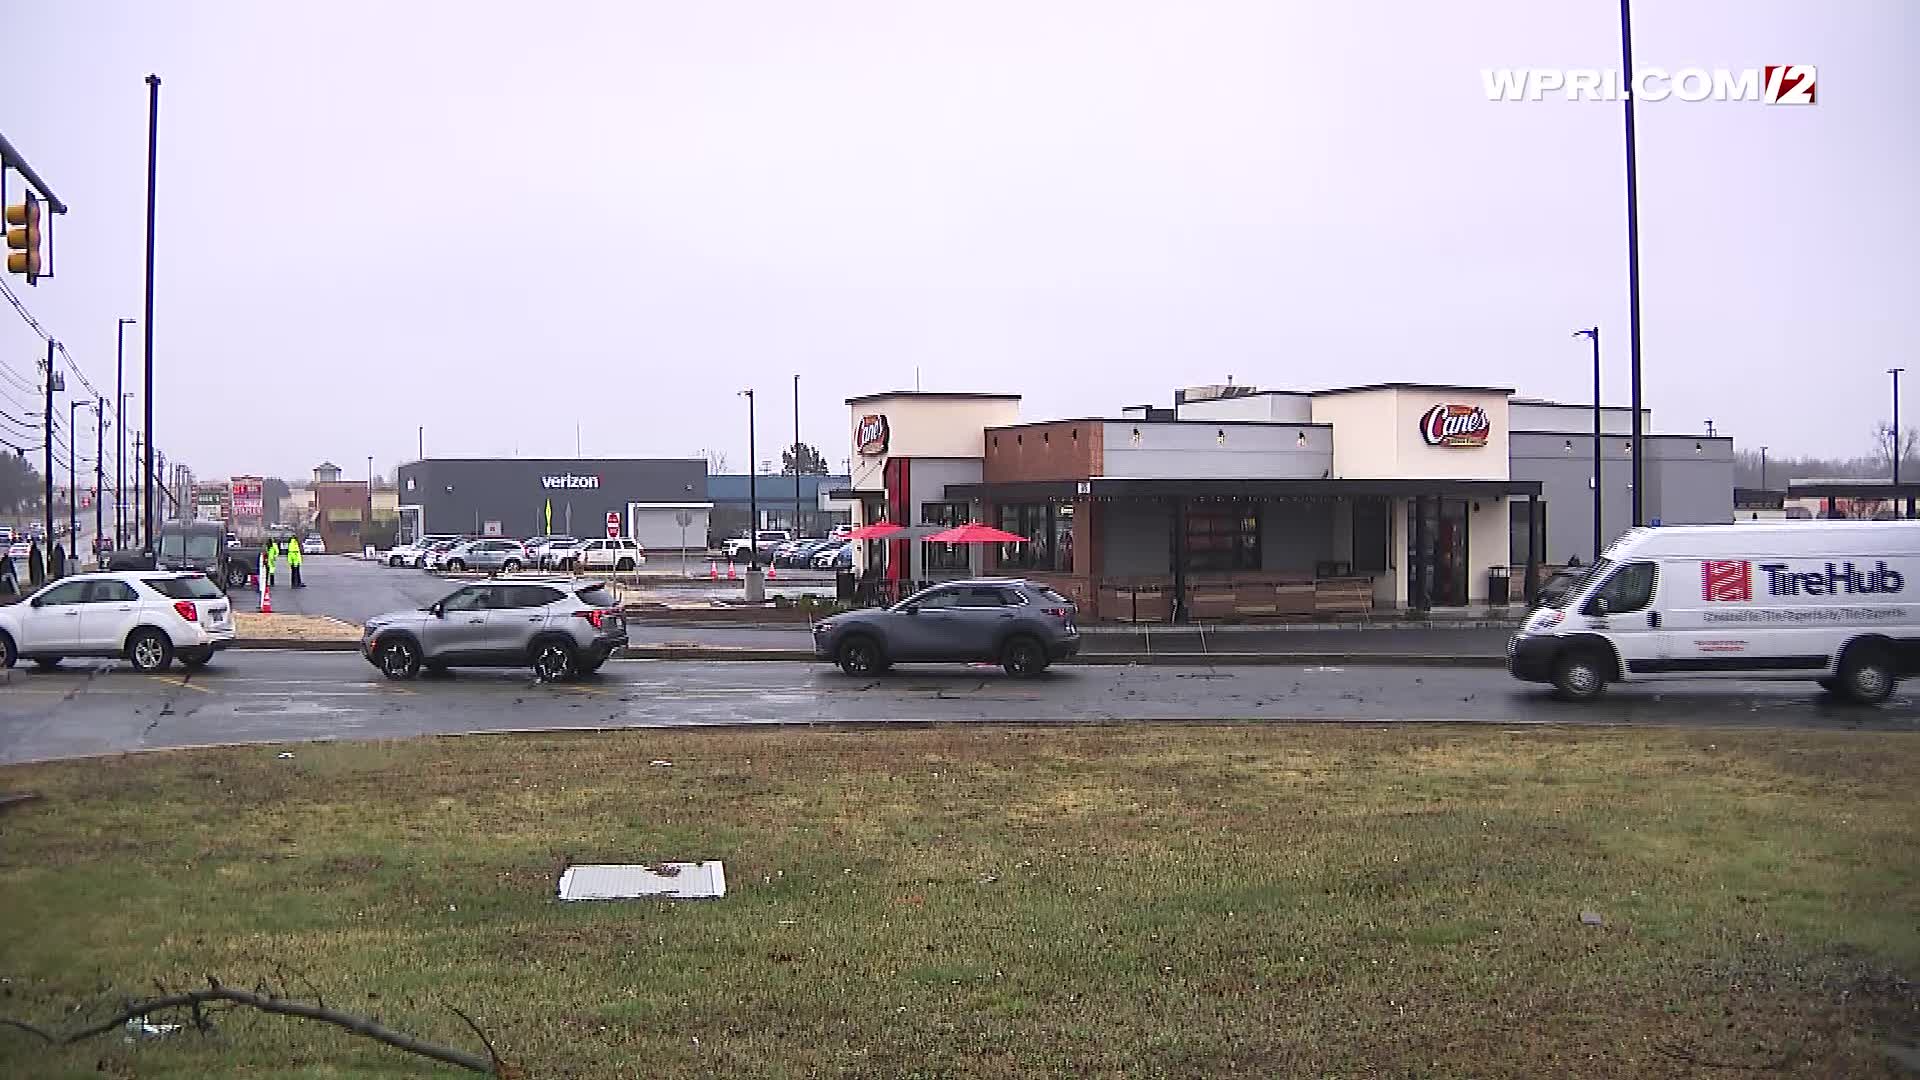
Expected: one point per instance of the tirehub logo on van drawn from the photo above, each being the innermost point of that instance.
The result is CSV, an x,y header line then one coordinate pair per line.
x,y
569,480
1732,580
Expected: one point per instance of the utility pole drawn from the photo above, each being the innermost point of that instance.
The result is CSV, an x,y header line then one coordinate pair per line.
x,y
422,433
796,457
99,469
1599,534
73,482
1763,468
153,154
1633,266
1898,446
120,419
54,383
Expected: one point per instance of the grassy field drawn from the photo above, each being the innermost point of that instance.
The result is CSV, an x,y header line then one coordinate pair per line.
x,y
986,902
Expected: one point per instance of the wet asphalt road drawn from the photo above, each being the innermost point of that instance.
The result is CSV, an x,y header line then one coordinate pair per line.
x,y
247,696
355,591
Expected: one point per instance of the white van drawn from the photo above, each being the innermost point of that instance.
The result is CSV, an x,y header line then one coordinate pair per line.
x,y
1825,601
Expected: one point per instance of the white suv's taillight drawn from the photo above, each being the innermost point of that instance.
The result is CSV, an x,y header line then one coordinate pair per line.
x,y
187,610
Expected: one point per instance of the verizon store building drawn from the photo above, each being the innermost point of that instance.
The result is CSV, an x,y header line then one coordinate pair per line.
x,y
641,498
1239,503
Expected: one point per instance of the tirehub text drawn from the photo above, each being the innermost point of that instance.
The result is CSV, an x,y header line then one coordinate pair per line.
x,y
570,480
1783,580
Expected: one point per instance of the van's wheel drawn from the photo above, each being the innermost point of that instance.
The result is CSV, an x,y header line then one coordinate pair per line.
x,y
149,650
236,577
1578,675
399,658
1866,674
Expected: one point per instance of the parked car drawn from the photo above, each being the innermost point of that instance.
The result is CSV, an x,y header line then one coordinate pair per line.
x,y
537,546
829,558
494,555
839,532
618,555
435,554
411,554
555,555
19,549
560,628
799,553
149,617
1017,624
313,545
737,548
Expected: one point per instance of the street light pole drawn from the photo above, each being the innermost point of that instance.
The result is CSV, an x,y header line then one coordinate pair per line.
x,y
53,384
1763,468
1896,448
153,154
1599,534
1633,265
120,418
796,457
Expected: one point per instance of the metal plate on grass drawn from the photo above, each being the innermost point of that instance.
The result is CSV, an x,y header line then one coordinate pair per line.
x,y
630,881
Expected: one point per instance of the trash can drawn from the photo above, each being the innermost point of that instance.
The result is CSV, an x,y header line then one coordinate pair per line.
x,y
1499,585
844,585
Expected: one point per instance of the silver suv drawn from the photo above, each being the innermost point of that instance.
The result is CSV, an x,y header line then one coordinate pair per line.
x,y
507,555
1006,621
560,628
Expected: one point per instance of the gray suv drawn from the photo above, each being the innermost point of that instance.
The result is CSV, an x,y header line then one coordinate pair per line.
x,y
507,555
1017,624
560,628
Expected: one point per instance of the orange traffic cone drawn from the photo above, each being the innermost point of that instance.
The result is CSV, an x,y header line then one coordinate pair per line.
x,y
731,576
770,574
266,594
713,570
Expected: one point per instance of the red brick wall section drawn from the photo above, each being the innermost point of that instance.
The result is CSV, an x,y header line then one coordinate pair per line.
x,y
1060,450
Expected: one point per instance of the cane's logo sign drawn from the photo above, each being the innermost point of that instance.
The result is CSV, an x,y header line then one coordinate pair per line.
x,y
570,481
1455,425
1726,579
870,435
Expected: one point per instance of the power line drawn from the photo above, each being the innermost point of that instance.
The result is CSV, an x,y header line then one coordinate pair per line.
x,y
34,323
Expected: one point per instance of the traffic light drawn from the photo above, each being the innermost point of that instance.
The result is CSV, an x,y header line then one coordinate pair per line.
x,y
23,238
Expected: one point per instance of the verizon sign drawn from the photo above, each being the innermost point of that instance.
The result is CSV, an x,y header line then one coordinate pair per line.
x,y
1455,425
570,482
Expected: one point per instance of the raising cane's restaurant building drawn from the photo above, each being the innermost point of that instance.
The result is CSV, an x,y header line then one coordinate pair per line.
x,y
1235,503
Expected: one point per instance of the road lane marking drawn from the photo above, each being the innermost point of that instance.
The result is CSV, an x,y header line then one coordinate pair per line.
x,y
180,683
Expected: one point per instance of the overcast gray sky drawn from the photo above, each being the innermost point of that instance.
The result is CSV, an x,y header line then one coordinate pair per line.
x,y
494,220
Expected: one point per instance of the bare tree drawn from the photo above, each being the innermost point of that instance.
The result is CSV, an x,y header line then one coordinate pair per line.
x,y
1886,445
716,462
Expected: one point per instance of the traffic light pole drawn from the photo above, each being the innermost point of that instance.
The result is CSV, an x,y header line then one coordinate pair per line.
x,y
47,447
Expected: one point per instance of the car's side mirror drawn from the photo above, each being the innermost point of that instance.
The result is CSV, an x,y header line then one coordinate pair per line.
x,y
37,602
439,611
1598,605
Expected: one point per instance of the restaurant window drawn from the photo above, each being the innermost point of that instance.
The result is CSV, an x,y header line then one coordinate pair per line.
x,y
945,558
1048,528
1223,536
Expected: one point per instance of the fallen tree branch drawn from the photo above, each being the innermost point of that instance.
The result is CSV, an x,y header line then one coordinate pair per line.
x,y
194,999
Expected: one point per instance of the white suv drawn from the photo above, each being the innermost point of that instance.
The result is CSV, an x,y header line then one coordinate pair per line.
x,y
148,617
617,555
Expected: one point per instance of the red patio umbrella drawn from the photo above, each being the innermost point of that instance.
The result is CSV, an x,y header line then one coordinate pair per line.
x,y
975,533
879,530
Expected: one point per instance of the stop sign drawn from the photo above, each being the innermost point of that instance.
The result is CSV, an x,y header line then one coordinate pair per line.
x,y
613,524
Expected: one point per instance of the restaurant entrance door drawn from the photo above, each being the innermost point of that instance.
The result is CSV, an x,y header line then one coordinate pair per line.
x,y
1437,552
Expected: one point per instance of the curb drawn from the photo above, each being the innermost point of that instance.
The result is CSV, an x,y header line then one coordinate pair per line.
x,y
1163,659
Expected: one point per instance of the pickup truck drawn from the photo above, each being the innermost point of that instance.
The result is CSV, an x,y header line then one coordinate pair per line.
x,y
192,545
737,548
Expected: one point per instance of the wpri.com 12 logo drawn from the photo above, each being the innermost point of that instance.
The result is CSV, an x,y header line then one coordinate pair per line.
x,y
1772,84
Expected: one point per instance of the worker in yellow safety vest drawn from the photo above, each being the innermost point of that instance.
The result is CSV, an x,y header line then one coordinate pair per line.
x,y
271,553
293,561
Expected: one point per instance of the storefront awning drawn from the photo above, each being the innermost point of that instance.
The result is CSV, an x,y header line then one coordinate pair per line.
x,y
1217,488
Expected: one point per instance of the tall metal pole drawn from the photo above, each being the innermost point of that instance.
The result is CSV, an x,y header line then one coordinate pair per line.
x,y
1633,267
796,456
120,418
99,469
422,435
146,327
1763,468
1599,533
48,441
138,487
1894,452
753,493
73,485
